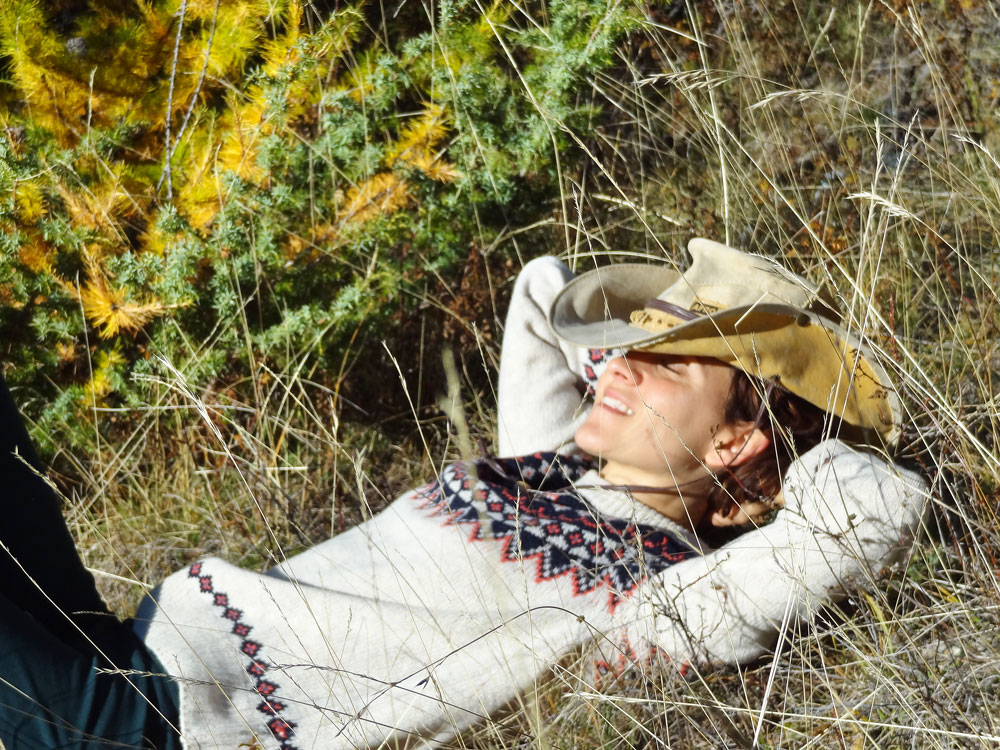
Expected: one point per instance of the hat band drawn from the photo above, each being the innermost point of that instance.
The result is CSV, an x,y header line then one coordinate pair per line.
x,y
672,309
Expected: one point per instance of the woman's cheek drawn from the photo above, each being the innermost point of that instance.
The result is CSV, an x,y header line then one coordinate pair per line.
x,y
588,435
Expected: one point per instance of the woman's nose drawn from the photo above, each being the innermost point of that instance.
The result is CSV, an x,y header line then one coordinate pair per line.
x,y
626,370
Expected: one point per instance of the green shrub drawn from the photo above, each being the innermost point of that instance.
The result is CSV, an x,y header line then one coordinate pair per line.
x,y
253,173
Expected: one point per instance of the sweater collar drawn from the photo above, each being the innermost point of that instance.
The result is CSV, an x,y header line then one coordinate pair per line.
x,y
613,503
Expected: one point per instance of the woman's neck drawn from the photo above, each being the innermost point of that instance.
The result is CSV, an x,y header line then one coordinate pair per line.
x,y
684,503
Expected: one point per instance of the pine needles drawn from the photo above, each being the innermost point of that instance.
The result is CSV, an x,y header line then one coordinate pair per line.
x,y
162,161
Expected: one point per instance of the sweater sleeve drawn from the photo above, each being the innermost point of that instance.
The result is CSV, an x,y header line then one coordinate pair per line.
x,y
540,396
848,514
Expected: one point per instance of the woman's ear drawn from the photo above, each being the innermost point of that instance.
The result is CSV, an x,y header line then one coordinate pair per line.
x,y
734,516
736,444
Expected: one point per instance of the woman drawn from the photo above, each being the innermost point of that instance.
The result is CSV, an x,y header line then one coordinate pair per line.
x,y
442,609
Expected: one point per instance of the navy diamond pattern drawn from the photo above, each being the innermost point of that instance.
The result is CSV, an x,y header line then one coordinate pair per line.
x,y
528,504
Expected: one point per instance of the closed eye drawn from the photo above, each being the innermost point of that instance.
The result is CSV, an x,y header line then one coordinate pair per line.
x,y
675,367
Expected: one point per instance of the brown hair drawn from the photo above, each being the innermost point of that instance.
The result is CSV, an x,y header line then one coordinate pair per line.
x,y
793,426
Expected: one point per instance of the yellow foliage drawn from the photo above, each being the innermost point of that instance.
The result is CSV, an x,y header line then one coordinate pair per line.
x,y
281,51
236,33
416,143
238,153
99,384
419,135
198,195
128,69
65,90
36,254
50,97
201,10
59,92
100,207
434,167
324,46
109,310
337,36
293,247
137,69
386,191
8,299
381,194
497,14
66,351
359,80
230,144
154,240
30,202
200,201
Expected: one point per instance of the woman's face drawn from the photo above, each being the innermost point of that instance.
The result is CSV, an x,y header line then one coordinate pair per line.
x,y
657,417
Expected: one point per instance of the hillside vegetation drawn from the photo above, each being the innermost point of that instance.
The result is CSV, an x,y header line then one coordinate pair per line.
x,y
254,258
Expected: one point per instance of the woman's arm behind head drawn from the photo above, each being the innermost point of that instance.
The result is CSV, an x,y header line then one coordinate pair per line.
x,y
539,393
848,514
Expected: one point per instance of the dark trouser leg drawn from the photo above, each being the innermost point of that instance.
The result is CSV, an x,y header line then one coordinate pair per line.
x,y
40,571
53,696
56,633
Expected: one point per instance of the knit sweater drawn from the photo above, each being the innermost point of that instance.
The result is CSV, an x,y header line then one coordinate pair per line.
x,y
444,608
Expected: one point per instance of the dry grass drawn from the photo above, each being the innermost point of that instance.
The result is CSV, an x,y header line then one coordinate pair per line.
x,y
858,142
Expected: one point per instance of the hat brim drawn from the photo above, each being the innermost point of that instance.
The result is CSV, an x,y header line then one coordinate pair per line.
x,y
813,357
593,309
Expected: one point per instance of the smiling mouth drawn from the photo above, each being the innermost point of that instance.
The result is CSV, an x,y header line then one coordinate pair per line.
x,y
616,405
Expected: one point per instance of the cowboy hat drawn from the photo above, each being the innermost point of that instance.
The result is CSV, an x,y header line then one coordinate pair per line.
x,y
742,309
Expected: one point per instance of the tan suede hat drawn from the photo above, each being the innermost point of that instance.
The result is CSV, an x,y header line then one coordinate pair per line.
x,y
743,309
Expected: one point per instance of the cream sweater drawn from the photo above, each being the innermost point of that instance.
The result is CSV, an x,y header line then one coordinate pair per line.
x,y
431,616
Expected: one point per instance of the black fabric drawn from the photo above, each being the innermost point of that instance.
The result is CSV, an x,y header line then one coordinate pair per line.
x,y
40,571
55,696
62,652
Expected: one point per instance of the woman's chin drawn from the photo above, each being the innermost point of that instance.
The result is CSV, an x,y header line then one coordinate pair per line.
x,y
589,441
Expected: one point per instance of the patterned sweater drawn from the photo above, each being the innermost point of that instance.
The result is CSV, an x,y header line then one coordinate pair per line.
x,y
459,597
